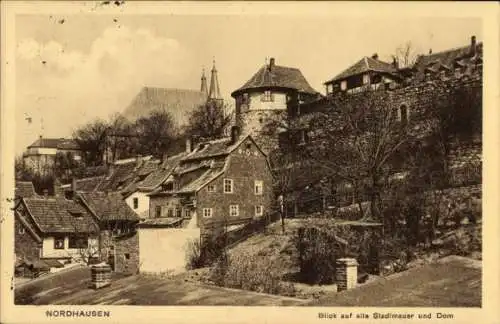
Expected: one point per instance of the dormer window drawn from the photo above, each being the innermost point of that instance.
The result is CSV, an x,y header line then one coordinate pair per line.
x,y
169,186
343,85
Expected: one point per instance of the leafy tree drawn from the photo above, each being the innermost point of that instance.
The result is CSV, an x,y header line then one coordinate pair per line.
x,y
155,133
91,138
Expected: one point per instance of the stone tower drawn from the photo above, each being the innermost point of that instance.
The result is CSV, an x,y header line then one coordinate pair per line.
x,y
272,93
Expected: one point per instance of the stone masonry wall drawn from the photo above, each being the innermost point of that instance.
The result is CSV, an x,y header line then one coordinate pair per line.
x,y
127,253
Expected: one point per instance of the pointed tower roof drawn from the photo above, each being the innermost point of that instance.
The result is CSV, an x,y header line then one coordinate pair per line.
x,y
204,88
214,85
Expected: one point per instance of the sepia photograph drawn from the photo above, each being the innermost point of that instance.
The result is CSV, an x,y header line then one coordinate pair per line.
x,y
220,155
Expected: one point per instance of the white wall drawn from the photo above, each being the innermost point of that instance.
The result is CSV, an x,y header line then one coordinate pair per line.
x,y
48,250
143,208
256,103
164,249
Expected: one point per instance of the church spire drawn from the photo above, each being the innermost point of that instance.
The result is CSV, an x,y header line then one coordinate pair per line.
x,y
204,88
214,85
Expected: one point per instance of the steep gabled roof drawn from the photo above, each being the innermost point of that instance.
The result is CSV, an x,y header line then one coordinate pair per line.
x,y
215,148
108,206
60,215
161,173
25,189
57,143
277,76
178,102
364,65
461,56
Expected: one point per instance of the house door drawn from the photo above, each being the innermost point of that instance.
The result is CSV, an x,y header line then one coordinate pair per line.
x,y
111,257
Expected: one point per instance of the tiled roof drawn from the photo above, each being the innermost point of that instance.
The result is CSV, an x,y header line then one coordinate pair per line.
x,y
119,178
25,189
57,143
156,178
461,56
201,181
60,215
277,76
126,175
364,65
86,184
214,148
161,222
178,102
108,206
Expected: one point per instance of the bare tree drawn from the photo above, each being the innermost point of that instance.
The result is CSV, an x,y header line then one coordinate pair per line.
x,y
357,139
405,55
209,120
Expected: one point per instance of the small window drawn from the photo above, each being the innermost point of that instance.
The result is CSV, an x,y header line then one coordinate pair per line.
x,y
259,210
78,242
267,96
366,78
259,187
127,256
228,186
211,188
170,212
343,85
21,229
169,186
59,243
234,210
178,212
187,213
136,203
207,212
158,211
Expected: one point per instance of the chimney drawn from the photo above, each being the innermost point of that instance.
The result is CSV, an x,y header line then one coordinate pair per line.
x,y
235,134
271,63
58,192
430,51
188,145
375,56
473,45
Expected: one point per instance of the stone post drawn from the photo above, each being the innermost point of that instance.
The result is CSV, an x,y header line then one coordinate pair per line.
x,y
346,273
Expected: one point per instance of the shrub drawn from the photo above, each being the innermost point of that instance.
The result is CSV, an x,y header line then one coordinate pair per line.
x,y
251,273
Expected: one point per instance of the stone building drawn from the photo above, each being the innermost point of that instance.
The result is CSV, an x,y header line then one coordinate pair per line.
x,y
118,244
41,155
274,92
369,72
224,181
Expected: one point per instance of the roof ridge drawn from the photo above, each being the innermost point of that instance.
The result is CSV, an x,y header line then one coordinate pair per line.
x,y
452,49
170,88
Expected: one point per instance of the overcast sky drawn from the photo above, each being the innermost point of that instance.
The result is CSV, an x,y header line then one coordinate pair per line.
x,y
95,64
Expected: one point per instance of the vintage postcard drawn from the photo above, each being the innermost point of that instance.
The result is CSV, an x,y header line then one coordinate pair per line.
x,y
241,162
